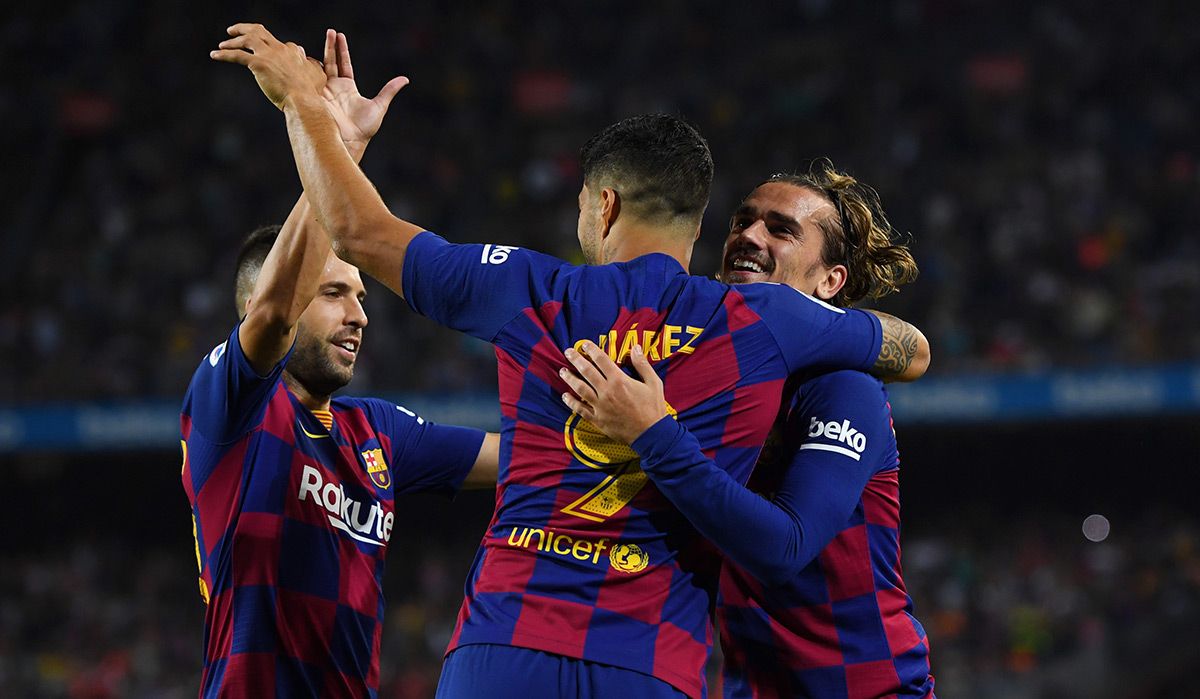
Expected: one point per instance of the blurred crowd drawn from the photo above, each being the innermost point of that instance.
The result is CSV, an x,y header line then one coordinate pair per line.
x,y
1042,155
1031,610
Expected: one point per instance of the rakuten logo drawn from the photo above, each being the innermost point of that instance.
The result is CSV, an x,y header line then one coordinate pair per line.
x,y
374,528
840,432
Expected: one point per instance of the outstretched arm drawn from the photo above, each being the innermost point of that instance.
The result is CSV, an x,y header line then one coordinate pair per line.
x,y
904,354
292,270
362,230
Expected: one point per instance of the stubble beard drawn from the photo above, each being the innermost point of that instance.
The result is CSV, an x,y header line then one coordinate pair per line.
x,y
313,367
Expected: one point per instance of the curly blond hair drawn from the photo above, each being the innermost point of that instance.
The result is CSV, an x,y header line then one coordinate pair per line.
x,y
859,237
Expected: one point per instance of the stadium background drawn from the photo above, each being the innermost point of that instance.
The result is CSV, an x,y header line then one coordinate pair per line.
x,y
1043,155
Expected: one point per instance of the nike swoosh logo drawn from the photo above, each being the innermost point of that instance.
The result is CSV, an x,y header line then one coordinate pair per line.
x,y
311,435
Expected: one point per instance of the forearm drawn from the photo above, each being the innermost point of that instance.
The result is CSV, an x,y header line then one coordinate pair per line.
x,y
767,540
904,354
286,285
362,230
291,273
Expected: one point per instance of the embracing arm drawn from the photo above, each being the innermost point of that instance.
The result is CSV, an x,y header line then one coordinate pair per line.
x,y
772,539
904,354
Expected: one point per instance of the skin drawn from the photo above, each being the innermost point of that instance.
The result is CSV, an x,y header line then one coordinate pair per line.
x,y
366,234
774,236
294,269
607,233
776,228
304,294
328,336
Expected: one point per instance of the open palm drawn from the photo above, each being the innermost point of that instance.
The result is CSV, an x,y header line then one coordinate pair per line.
x,y
358,118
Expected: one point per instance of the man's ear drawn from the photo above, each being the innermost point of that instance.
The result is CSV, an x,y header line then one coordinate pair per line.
x,y
832,282
610,209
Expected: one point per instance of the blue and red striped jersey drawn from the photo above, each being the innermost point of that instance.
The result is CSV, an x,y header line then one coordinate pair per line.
x,y
583,557
829,617
292,513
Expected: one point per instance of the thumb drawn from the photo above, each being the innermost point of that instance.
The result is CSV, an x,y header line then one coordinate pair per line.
x,y
384,98
638,359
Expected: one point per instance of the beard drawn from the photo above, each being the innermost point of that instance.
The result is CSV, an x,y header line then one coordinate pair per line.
x,y
314,366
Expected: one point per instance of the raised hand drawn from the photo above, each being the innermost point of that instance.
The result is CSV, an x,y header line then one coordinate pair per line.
x,y
358,118
618,405
282,70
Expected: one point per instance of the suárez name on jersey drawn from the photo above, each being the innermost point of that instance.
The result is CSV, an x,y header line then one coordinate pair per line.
x,y
840,432
346,514
656,343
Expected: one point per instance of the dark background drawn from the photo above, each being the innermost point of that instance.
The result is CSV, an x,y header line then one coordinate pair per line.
x,y
1042,155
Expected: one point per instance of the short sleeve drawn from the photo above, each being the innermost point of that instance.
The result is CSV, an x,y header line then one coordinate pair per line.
x,y
426,457
475,288
227,397
813,334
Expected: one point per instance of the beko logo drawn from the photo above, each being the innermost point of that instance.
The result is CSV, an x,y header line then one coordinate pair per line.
x,y
839,432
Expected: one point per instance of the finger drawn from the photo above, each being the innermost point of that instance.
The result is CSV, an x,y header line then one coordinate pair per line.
x,y
585,367
345,68
330,56
384,98
578,406
642,365
244,41
231,56
576,383
297,48
601,359
248,28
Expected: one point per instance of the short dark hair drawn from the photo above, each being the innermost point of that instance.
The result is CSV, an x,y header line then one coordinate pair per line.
x,y
250,258
658,163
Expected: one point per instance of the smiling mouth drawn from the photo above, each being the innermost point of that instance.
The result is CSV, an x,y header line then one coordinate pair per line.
x,y
349,346
741,264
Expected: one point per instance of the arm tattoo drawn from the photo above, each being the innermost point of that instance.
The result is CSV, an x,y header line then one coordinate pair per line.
x,y
899,347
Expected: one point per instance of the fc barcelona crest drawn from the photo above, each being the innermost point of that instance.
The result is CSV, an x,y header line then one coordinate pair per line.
x,y
376,467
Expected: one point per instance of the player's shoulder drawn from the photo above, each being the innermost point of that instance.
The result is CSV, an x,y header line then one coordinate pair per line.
x,y
651,266
640,281
376,409
846,387
848,413
784,296
370,407
844,379
227,353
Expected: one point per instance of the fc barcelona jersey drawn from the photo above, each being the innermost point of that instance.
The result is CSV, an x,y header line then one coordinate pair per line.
x,y
583,556
293,511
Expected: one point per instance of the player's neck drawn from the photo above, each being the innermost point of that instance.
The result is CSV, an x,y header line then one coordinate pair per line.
x,y
307,399
631,243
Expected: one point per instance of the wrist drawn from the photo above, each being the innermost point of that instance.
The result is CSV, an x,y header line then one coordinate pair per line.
x,y
356,148
634,431
656,444
300,101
